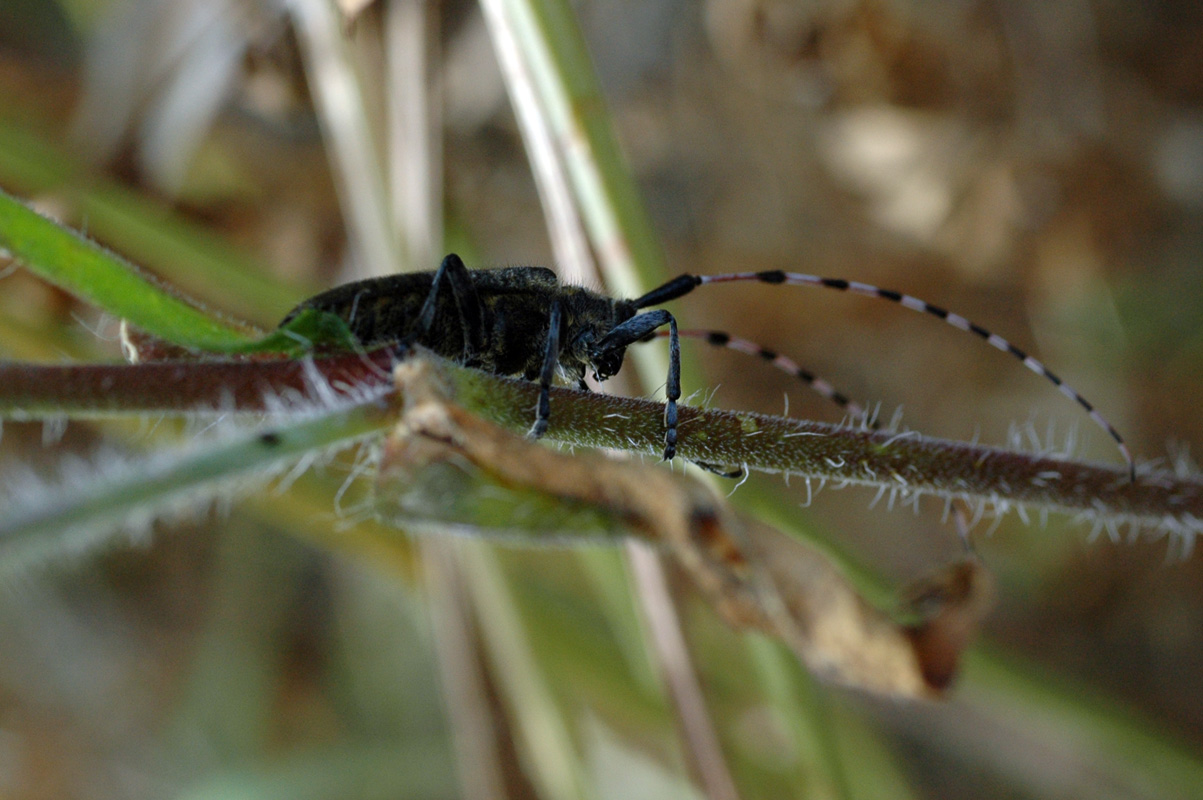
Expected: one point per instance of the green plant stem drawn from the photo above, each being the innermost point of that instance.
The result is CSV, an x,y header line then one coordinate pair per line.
x,y
185,387
130,495
908,464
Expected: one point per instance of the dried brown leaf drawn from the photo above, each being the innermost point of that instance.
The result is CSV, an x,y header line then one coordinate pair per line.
x,y
443,466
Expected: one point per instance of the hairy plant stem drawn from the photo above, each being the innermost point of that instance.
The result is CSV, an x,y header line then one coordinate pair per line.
x,y
129,495
185,387
907,463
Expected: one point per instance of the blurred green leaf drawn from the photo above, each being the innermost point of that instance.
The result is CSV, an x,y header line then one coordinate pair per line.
x,y
89,271
92,273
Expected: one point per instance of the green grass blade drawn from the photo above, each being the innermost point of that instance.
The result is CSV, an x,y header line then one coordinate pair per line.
x,y
88,271
145,230
43,522
610,202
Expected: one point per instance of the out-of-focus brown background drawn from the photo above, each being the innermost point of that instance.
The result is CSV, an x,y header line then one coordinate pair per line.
x,y
1036,167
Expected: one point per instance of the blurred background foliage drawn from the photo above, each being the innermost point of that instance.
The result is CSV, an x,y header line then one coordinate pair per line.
x,y
1037,167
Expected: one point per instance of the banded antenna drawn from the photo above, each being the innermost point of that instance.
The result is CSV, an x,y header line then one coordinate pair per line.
x,y
813,382
684,284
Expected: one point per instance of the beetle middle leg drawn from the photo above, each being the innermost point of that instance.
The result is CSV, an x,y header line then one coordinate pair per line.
x,y
472,314
551,357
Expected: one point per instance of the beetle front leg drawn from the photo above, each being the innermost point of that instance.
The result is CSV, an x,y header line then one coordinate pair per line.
x,y
550,357
634,330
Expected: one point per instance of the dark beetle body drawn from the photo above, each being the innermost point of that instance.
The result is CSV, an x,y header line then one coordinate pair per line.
x,y
515,304
513,321
523,321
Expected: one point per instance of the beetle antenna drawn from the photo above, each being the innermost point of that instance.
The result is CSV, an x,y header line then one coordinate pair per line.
x,y
684,284
814,382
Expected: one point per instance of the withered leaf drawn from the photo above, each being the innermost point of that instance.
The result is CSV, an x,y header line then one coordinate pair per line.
x,y
444,468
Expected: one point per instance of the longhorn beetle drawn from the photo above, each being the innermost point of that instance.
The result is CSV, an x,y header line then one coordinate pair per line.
x,y
523,321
